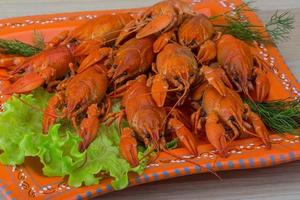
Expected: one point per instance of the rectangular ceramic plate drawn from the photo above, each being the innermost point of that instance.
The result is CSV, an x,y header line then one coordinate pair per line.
x,y
27,182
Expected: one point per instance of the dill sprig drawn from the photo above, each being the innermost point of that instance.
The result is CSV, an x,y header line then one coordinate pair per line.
x,y
279,116
278,27
38,40
17,47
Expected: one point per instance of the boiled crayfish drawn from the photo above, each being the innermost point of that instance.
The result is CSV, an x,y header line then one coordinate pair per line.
x,y
47,67
130,60
75,96
94,33
198,32
177,68
147,121
239,61
224,118
160,17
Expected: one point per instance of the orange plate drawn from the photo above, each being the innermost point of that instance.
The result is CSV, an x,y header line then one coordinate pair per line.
x,y
26,181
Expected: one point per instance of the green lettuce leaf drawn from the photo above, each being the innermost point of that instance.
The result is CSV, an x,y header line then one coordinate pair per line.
x,y
21,136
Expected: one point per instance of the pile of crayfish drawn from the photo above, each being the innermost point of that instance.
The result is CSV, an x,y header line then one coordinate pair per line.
x,y
177,77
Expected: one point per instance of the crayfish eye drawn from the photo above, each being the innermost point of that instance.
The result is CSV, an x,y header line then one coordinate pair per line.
x,y
231,118
252,78
77,107
191,74
236,79
147,136
114,65
125,73
160,134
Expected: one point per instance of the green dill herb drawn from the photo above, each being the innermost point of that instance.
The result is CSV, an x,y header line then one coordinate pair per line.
x,y
17,47
172,144
38,40
278,27
279,116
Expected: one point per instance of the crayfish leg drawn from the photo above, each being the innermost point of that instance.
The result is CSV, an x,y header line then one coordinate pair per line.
x,y
184,135
128,147
57,40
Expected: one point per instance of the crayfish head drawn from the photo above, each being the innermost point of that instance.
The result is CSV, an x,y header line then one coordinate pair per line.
x,y
76,102
195,31
120,75
149,126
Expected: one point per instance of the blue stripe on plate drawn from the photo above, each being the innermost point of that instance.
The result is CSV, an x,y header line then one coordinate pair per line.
x,y
282,157
88,194
79,197
177,172
2,187
292,155
186,170
108,187
155,176
262,161
198,169
272,157
219,165
8,192
99,190
165,173
251,162
146,178
241,163
208,166
138,180
230,164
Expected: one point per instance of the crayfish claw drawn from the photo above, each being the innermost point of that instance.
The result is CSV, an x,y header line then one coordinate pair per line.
x,y
159,90
89,127
261,86
207,52
162,41
184,135
260,128
215,133
156,25
128,147
25,84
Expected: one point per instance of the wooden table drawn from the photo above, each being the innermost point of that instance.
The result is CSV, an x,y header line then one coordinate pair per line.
x,y
281,182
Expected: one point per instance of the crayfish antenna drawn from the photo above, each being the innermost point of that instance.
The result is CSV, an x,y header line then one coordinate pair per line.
x,y
192,162
36,108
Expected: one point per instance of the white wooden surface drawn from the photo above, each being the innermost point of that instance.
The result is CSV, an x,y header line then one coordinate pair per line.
x,y
276,183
